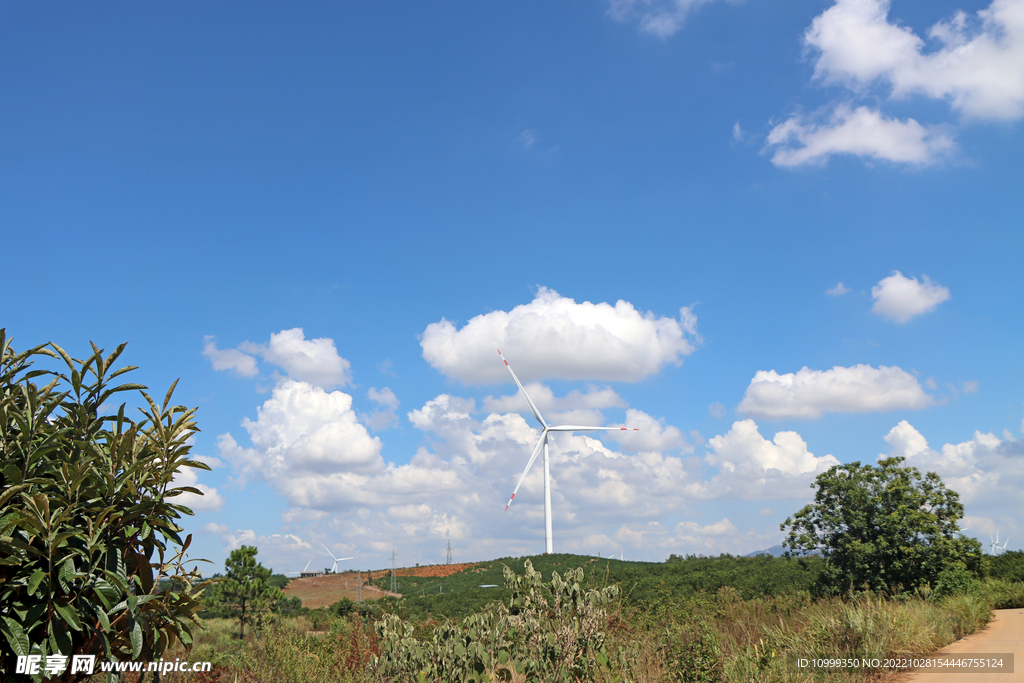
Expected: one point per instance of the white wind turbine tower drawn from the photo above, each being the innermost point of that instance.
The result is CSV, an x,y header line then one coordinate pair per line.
x,y
334,567
543,441
996,548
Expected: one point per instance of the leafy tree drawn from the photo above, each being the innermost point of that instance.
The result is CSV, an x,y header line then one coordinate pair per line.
x,y
91,561
887,528
248,584
1008,566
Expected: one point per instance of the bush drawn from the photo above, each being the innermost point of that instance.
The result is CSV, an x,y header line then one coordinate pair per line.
x,y
547,632
955,580
90,552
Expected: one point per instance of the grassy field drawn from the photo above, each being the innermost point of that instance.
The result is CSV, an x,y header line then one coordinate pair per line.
x,y
707,620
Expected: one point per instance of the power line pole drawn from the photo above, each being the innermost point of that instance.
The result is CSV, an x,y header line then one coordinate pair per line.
x,y
449,558
359,586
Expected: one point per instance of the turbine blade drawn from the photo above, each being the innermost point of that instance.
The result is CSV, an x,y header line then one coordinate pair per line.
x,y
536,452
580,428
330,553
536,413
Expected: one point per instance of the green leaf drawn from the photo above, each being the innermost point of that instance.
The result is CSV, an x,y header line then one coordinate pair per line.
x,y
69,614
35,580
15,635
136,638
60,639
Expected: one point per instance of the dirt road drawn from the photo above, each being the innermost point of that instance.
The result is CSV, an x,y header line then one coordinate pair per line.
x,y
1003,634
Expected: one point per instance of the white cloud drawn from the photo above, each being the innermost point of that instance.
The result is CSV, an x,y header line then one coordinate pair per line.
x,y
987,472
304,428
279,552
306,445
315,361
229,359
751,466
381,419
553,336
838,290
527,138
653,436
901,298
737,133
309,445
970,387
384,397
661,18
544,398
860,132
716,410
979,67
808,393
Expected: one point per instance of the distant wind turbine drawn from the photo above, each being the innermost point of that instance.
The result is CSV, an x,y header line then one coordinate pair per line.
x,y
305,568
543,441
334,567
996,548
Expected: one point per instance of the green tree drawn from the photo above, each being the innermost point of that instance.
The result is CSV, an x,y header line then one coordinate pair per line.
x,y
248,585
887,528
91,561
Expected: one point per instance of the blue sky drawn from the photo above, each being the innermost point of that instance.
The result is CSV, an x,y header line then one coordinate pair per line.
x,y
775,236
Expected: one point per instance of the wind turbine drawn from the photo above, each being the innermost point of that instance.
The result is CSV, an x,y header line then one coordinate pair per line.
x,y
334,567
543,441
304,568
996,548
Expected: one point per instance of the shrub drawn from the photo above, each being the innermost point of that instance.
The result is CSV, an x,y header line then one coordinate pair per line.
x,y
90,552
549,631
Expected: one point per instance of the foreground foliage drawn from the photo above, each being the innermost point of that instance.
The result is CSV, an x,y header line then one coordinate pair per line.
x,y
561,630
548,631
88,521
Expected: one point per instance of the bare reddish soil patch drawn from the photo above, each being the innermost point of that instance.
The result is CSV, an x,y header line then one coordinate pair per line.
x,y
430,571
322,591
327,590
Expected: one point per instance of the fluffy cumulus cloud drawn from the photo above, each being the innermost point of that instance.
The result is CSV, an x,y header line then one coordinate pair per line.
x,y
901,298
315,361
661,18
808,393
976,65
310,446
752,467
987,471
555,337
860,131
